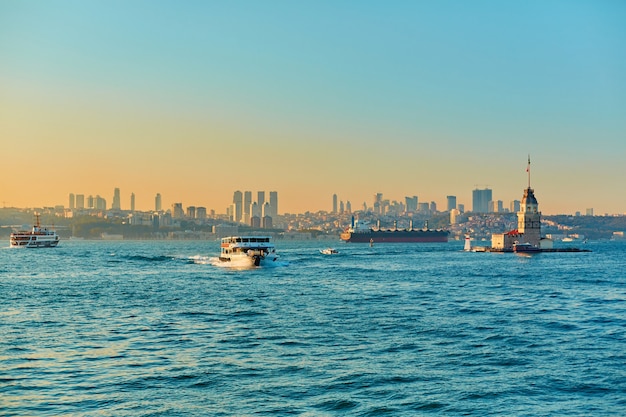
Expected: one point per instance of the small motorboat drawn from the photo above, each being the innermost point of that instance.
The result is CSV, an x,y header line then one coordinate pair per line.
x,y
525,248
329,251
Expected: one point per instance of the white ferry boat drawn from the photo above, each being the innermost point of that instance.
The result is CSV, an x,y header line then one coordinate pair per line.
x,y
39,237
248,250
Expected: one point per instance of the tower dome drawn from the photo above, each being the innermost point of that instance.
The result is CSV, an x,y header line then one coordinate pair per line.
x,y
529,198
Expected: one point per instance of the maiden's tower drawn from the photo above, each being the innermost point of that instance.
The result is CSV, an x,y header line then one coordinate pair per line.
x,y
528,224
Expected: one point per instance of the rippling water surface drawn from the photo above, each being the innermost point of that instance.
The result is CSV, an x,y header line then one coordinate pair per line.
x,y
157,329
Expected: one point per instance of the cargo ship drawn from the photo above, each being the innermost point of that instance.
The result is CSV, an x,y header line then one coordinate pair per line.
x,y
361,233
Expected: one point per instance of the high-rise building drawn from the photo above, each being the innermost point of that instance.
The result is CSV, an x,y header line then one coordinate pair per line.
x,y
589,212
177,211
433,207
334,204
348,207
255,222
514,207
461,208
451,202
158,206
411,204
116,200
132,201
378,203
480,200
454,214
80,201
201,213
191,212
274,203
255,211
91,202
260,199
247,201
238,205
100,203
341,207
72,201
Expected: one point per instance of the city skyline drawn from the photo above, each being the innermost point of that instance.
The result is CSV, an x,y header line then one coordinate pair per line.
x,y
352,99
482,201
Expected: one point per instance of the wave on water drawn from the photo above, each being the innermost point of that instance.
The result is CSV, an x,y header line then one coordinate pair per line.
x,y
143,258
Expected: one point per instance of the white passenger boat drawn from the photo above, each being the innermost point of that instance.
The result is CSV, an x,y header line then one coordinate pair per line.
x,y
39,237
329,251
248,250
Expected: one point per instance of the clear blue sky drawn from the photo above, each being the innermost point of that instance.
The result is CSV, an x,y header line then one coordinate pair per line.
x,y
197,99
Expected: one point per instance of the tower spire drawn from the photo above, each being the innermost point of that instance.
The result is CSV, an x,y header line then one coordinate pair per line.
x,y
528,170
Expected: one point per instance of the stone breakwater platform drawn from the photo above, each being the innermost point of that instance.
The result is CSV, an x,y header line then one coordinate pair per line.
x,y
550,250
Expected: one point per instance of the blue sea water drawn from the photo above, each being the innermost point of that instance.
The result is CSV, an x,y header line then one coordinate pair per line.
x,y
158,329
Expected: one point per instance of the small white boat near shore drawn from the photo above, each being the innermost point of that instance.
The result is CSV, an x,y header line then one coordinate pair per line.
x,y
329,251
247,251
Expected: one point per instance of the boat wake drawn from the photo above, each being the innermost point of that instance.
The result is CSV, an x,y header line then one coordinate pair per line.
x,y
201,259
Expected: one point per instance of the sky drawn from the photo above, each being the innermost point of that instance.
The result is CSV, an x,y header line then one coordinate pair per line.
x,y
197,99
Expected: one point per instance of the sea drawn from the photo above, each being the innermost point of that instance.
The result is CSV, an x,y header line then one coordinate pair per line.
x,y
161,328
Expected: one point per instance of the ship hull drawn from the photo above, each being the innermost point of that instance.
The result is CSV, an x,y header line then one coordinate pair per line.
x,y
416,236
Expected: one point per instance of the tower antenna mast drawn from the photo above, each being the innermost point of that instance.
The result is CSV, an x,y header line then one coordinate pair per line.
x,y
528,170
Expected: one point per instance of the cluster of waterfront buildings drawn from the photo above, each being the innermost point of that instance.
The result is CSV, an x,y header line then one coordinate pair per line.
x,y
254,213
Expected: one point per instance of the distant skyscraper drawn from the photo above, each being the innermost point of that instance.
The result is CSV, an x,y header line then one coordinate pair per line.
x,y
191,212
378,202
255,222
514,207
100,203
433,207
461,208
589,212
238,203
72,202
158,206
247,201
177,211
201,213
411,203
274,203
255,211
260,198
341,207
348,207
132,201
90,202
480,200
451,203
80,201
116,200
334,203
